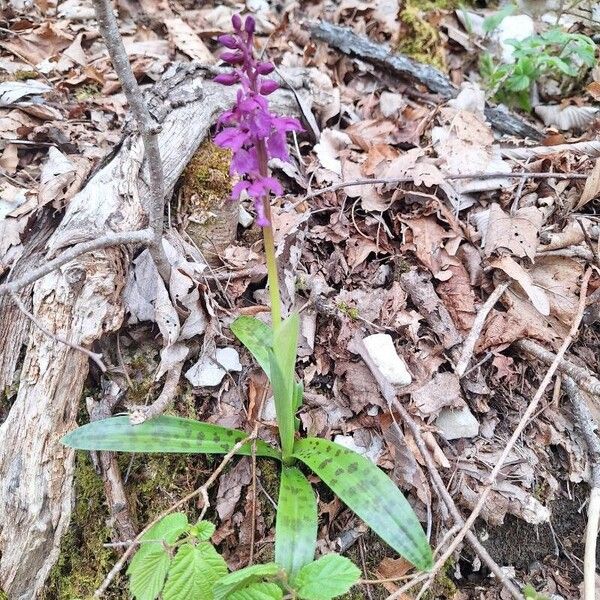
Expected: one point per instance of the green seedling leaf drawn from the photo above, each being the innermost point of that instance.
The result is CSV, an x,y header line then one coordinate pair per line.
x,y
194,572
330,576
257,337
258,591
370,493
243,578
149,566
203,530
296,525
162,434
493,21
282,366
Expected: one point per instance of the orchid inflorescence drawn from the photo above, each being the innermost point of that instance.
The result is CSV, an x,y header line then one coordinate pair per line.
x,y
250,130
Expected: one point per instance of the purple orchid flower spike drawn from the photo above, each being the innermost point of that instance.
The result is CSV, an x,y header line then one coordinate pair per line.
x,y
250,130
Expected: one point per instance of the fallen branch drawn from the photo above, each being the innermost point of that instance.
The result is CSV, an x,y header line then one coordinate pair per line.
x,y
491,480
584,378
479,175
588,427
201,491
139,414
389,394
97,358
354,45
590,149
143,236
470,341
154,204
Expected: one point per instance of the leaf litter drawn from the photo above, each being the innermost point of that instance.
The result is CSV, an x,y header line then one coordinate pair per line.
x,y
346,251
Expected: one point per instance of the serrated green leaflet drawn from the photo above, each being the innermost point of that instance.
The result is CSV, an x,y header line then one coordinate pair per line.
x,y
330,576
193,573
370,494
245,577
149,566
203,530
162,434
257,337
282,361
296,525
258,591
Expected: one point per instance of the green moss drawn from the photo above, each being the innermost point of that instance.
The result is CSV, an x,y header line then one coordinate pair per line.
x,y
349,311
84,561
24,75
85,92
443,586
421,40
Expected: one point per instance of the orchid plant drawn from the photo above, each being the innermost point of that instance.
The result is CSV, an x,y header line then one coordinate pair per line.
x,y
254,134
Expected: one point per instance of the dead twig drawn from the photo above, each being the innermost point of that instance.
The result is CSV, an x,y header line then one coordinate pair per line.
x,y
484,493
480,175
143,236
97,358
584,378
588,427
470,341
109,29
201,491
389,393
139,414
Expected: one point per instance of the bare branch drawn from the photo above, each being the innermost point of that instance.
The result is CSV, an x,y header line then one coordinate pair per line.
x,y
588,427
143,236
469,343
584,378
139,414
109,28
485,492
97,358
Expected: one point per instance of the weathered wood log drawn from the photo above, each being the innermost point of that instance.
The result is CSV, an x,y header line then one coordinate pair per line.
x,y
356,46
82,301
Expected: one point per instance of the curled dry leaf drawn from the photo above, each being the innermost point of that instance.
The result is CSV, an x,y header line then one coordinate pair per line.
x,y
517,233
592,186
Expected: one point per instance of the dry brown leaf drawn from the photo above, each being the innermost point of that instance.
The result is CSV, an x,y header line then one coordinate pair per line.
x,y
518,233
458,297
230,488
536,294
592,186
46,42
442,391
9,159
186,39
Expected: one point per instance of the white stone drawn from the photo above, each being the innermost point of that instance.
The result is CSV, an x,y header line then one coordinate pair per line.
x,y
245,219
269,414
209,371
372,453
390,104
513,27
382,352
457,423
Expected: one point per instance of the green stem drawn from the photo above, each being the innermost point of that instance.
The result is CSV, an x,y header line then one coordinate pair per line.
x,y
269,243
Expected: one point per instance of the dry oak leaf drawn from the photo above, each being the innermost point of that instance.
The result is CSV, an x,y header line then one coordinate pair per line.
x,y
442,391
515,271
517,233
592,186
186,40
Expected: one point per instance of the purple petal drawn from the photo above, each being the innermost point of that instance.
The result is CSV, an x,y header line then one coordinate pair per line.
x,y
233,58
277,146
232,138
250,25
229,41
244,162
261,219
227,78
264,68
236,21
268,87
287,124
238,188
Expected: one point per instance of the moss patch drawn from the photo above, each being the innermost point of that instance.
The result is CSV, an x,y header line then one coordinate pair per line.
x,y
83,560
421,38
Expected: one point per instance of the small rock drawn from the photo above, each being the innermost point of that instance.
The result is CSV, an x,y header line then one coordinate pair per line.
x,y
390,104
372,452
209,371
455,424
245,219
381,350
